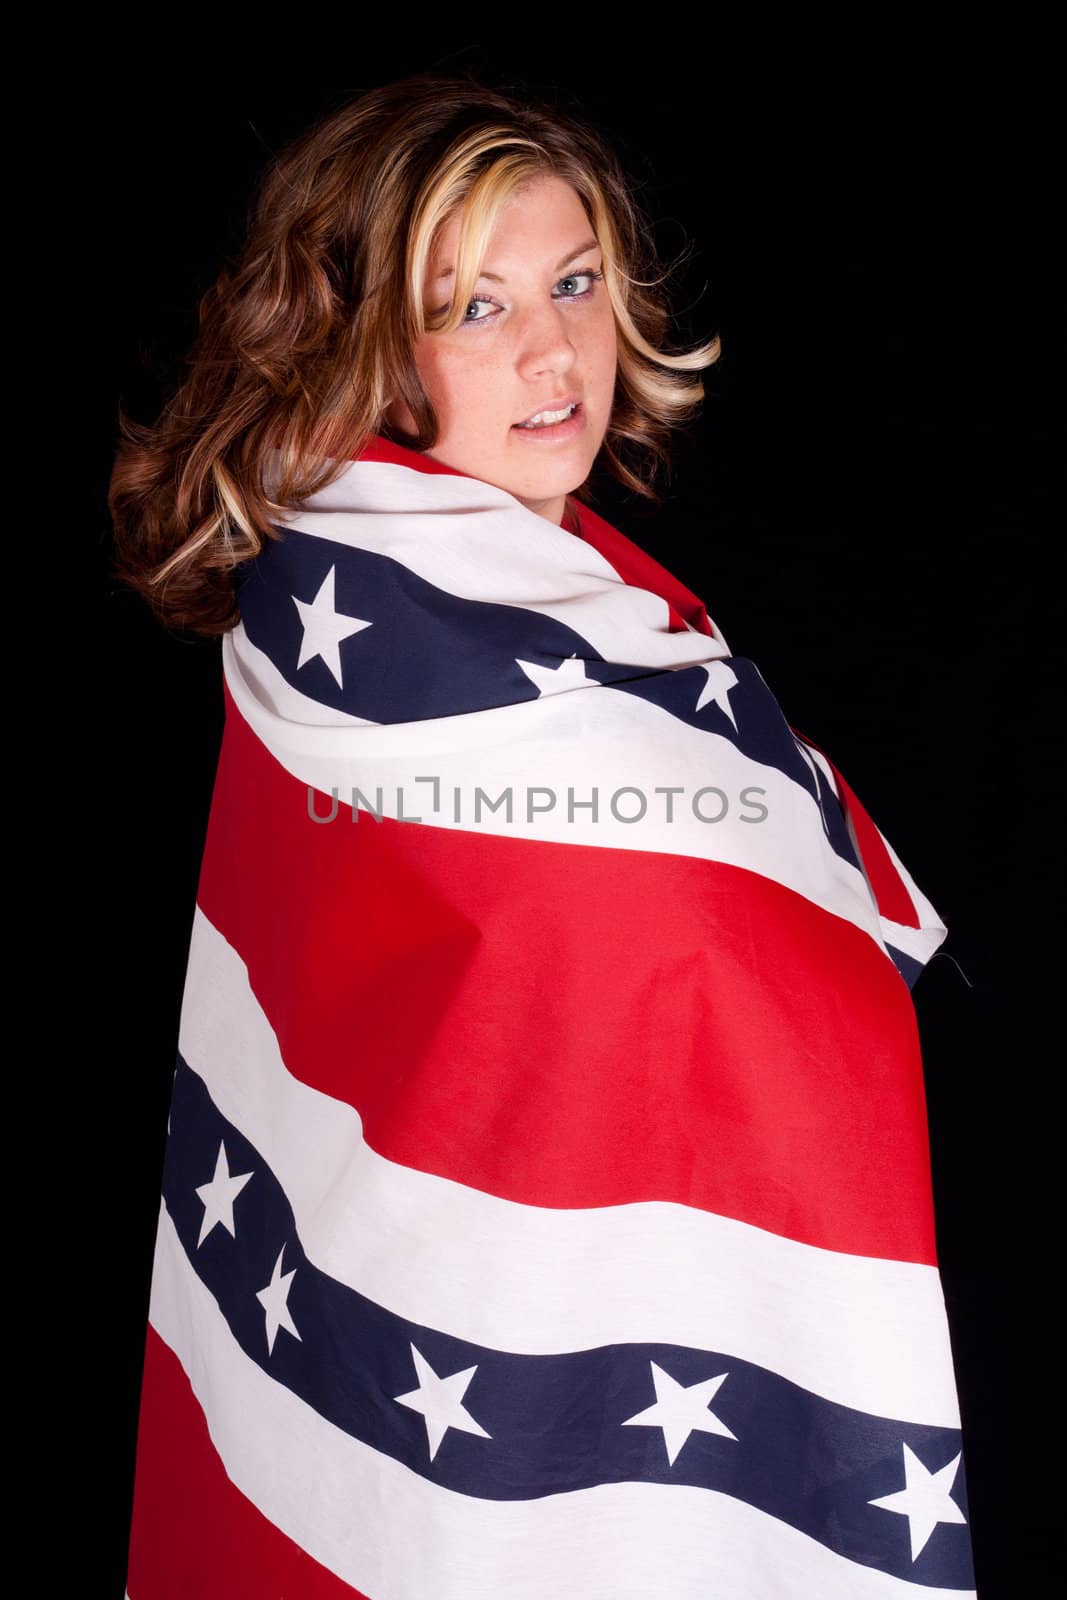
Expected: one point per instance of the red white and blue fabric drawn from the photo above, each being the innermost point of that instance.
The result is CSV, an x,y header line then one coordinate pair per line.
x,y
547,1205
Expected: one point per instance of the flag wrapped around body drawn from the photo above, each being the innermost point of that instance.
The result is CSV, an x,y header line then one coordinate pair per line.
x,y
546,1207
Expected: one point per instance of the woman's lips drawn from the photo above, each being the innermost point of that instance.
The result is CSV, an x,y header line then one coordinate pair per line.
x,y
569,429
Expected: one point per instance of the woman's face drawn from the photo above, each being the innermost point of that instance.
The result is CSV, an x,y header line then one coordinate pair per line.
x,y
540,335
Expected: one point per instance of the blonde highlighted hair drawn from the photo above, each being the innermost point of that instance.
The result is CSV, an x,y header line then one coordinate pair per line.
x,y
307,339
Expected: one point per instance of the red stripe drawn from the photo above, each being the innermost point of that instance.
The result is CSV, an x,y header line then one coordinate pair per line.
x,y
634,565
572,1026
379,449
194,1535
890,892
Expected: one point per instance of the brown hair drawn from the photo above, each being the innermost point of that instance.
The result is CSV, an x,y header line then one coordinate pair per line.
x,y
307,339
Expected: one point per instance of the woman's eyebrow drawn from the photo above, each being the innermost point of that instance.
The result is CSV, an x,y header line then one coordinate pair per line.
x,y
589,244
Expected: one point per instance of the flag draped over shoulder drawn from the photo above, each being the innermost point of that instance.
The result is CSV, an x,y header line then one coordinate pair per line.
x,y
546,1208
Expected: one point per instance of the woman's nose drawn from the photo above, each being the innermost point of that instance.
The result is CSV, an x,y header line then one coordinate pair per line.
x,y
546,344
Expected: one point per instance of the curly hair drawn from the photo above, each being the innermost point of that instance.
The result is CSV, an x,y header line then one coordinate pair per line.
x,y
307,338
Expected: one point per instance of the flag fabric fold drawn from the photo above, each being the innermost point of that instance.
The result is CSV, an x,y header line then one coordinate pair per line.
x,y
546,1205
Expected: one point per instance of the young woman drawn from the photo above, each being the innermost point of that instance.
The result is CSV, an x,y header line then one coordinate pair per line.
x,y
546,1207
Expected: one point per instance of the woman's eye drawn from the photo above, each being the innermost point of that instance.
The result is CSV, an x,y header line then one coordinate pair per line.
x,y
576,277
478,302
571,278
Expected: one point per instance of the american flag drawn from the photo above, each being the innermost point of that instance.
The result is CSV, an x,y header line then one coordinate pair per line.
x,y
546,1207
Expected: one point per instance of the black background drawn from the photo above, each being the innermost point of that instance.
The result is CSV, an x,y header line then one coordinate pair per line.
x,y
863,507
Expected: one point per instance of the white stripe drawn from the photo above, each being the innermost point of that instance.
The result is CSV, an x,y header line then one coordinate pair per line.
x,y
865,1332
919,943
581,741
824,766
395,1535
478,542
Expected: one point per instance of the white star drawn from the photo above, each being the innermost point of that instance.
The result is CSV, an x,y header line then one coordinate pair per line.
x,y
218,1197
570,674
325,627
925,1499
721,679
679,1410
438,1399
274,1300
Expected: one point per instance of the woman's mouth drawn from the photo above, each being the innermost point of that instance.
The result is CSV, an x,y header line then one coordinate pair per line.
x,y
567,426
